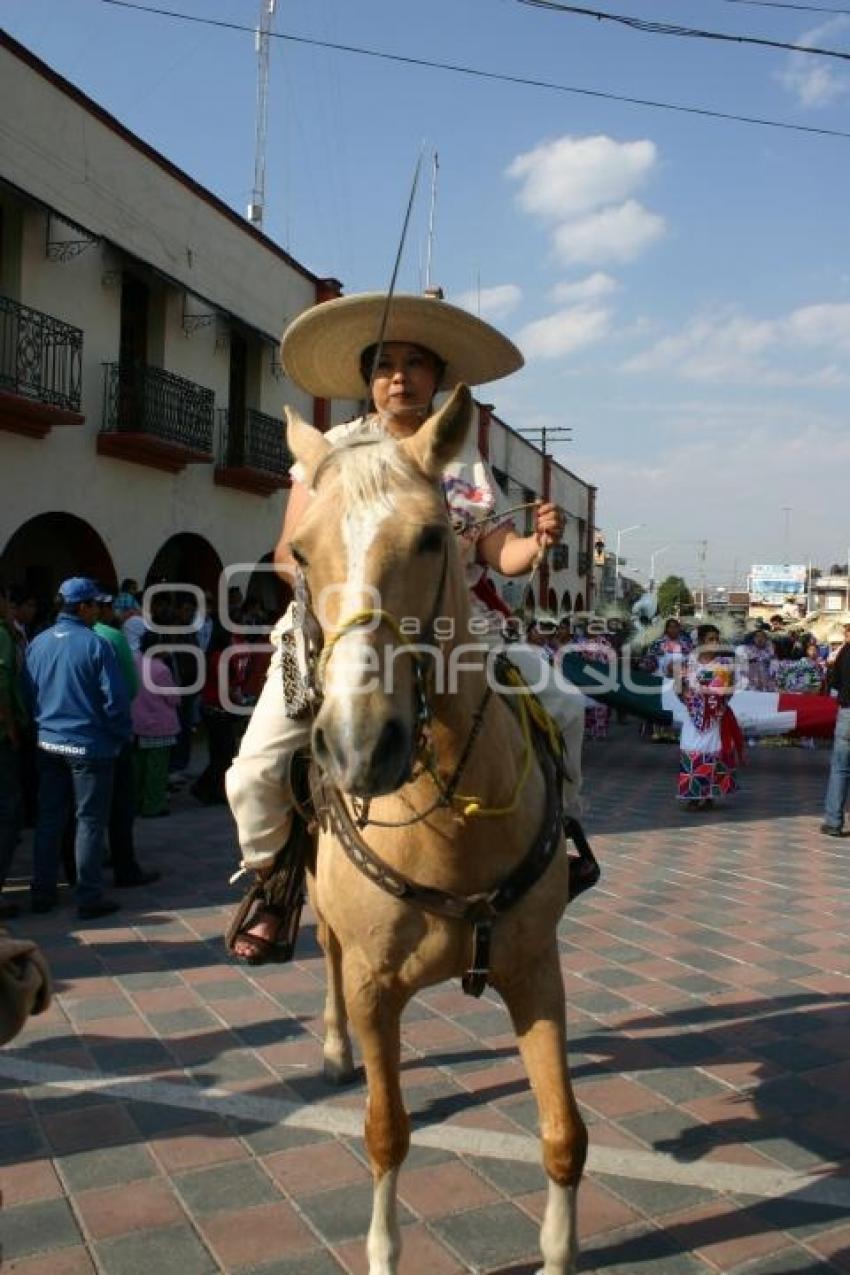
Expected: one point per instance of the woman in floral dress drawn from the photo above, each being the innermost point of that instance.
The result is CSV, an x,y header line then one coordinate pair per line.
x,y
805,676
711,743
595,646
663,657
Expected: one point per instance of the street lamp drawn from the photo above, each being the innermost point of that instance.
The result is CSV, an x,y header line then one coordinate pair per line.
x,y
622,532
655,553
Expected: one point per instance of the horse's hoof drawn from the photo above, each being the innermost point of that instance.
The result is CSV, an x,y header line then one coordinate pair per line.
x,y
338,1071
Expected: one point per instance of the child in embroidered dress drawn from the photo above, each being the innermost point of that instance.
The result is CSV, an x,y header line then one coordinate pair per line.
x,y
711,743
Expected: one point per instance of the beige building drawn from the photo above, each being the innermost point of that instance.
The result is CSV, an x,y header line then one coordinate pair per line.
x,y
140,387
565,582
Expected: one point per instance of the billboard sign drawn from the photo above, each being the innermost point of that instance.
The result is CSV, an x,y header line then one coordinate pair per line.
x,y
775,584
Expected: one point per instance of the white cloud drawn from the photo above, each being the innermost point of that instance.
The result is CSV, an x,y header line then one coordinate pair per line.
x,y
594,286
572,176
564,332
753,473
821,325
812,82
491,303
613,234
735,347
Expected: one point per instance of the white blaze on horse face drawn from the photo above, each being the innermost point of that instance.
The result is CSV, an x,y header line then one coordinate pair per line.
x,y
352,665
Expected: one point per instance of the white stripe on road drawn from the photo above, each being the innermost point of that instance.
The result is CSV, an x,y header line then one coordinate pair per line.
x,y
323,1117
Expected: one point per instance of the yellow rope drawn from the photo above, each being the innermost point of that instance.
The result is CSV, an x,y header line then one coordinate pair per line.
x,y
356,621
529,707
471,807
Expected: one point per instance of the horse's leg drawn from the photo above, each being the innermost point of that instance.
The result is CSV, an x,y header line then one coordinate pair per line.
x,y
536,1005
339,1062
376,1017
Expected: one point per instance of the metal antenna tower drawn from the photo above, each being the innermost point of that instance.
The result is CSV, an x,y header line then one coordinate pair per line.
x,y
431,218
258,195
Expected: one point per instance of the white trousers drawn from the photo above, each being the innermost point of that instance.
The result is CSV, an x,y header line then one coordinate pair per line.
x,y
258,782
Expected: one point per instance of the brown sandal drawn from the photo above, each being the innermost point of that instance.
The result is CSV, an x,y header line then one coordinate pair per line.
x,y
280,893
263,951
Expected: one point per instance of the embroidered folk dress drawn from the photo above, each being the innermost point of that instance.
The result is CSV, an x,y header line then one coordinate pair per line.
x,y
707,763
596,716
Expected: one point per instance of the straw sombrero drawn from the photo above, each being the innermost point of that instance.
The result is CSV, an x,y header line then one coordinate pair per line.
x,y
321,349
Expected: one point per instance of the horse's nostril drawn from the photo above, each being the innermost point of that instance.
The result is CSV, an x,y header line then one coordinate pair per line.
x,y
391,742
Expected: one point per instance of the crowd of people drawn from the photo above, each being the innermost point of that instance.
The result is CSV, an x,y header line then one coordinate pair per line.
x,y
99,704
706,671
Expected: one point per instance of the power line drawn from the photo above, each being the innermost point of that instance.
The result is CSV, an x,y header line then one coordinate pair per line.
x,y
796,8
671,28
478,73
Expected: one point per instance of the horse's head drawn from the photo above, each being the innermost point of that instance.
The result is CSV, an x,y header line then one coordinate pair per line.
x,y
380,560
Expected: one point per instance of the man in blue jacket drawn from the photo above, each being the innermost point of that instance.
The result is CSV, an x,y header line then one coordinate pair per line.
x,y
82,713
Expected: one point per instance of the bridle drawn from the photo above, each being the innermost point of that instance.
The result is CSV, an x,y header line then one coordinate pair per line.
x,y
345,817
423,669
423,754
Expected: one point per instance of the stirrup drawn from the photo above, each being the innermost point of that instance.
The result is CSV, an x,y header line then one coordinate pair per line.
x,y
282,893
584,867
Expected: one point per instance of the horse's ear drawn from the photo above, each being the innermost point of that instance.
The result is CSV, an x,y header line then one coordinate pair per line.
x,y
442,436
308,445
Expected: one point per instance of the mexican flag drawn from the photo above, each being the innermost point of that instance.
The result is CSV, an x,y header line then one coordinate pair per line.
x,y
646,696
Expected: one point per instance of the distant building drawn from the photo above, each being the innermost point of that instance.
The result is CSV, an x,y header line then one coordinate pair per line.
x,y
140,383
565,582
830,593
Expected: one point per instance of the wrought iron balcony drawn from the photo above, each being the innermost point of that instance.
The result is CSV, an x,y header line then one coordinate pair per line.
x,y
253,455
155,417
41,361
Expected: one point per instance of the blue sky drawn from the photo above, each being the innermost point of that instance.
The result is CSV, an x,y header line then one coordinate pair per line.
x,y
681,286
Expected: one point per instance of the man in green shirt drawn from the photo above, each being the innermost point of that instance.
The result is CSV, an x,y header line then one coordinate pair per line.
x,y
123,809
13,719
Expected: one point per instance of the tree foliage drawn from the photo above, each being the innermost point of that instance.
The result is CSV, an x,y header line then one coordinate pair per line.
x,y
673,593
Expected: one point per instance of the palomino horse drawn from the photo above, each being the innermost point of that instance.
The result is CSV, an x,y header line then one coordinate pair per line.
x,y
376,548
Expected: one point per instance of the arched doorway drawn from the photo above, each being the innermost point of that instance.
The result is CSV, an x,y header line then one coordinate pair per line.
x,y
186,558
47,549
566,603
529,605
579,602
552,602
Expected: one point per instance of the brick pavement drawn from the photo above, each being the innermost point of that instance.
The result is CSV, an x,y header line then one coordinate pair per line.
x,y
169,1116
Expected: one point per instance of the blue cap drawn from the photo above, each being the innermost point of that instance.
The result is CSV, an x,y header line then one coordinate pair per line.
x,y
124,602
79,589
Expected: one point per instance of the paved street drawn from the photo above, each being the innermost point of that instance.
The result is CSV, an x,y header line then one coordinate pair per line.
x,y
168,1116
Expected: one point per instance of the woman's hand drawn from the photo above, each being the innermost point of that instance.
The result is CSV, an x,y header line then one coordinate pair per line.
x,y
548,524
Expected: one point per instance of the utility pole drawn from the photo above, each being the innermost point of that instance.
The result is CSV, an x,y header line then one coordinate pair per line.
x,y
256,208
544,434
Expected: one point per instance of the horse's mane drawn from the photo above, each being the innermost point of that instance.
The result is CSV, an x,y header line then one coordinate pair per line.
x,y
370,470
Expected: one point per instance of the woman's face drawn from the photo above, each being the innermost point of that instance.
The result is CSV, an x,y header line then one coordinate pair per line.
x,y
404,382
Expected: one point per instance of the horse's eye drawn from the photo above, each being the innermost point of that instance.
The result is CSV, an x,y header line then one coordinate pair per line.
x,y
431,539
298,556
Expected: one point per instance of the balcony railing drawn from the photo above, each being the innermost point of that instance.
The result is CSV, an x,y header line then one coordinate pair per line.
x,y
160,407
257,441
253,455
41,358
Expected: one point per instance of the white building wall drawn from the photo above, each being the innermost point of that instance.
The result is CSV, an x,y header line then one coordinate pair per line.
x,y
56,151
63,153
523,464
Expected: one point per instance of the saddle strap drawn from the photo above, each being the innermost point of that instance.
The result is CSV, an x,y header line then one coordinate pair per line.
x,y
480,909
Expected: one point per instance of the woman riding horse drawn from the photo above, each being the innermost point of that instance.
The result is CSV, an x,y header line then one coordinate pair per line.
x,y
402,353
